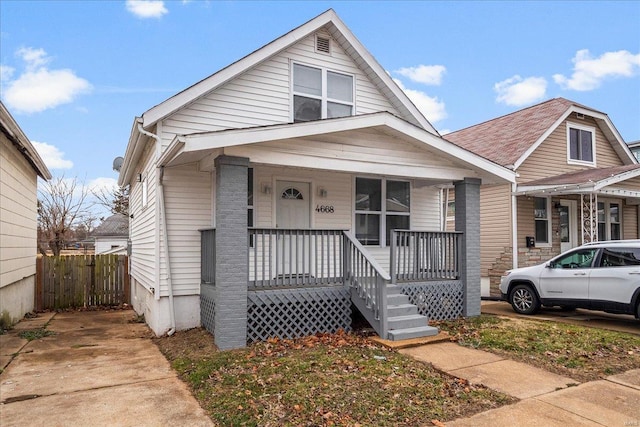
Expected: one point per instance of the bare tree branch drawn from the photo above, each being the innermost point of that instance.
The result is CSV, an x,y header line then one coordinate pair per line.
x,y
62,204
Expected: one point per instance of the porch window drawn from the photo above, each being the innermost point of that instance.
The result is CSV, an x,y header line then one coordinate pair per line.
x,y
374,219
541,214
581,144
608,221
319,93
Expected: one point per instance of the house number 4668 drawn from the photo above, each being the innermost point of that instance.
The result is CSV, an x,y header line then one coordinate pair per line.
x,y
324,209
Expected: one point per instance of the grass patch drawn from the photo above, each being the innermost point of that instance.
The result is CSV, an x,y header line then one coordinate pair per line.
x,y
336,379
579,352
35,334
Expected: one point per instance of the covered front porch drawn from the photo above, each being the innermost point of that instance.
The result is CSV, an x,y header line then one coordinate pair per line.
x,y
586,206
312,219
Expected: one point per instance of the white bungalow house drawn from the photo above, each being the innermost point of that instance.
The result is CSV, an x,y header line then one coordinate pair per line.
x,y
274,195
20,166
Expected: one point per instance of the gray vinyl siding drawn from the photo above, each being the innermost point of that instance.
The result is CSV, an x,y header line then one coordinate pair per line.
x,y
262,96
18,213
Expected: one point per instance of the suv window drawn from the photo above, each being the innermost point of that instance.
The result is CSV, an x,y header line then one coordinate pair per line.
x,y
620,257
582,258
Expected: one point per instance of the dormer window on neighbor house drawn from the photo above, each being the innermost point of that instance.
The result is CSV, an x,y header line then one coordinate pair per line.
x,y
581,144
319,93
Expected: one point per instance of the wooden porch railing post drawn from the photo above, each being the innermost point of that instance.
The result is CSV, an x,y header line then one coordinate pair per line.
x,y
392,258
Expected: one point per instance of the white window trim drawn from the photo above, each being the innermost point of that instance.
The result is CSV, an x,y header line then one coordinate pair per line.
x,y
570,161
324,99
549,220
383,211
607,217
145,191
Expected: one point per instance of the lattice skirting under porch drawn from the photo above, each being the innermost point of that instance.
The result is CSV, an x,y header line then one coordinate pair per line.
x,y
440,300
207,307
293,313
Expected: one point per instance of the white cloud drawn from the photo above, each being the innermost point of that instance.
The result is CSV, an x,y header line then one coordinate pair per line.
x,y
52,156
147,8
425,74
33,58
517,91
589,72
96,185
39,88
432,108
6,73
444,131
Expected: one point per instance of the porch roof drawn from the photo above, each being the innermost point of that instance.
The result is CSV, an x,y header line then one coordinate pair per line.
x,y
454,162
601,181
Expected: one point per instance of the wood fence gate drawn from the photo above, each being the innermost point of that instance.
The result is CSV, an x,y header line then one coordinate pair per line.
x,y
81,281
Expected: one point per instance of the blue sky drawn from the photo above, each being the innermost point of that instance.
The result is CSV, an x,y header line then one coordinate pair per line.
x,y
76,73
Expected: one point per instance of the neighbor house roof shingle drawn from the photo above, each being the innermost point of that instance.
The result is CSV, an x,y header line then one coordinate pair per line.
x,y
583,176
505,139
115,225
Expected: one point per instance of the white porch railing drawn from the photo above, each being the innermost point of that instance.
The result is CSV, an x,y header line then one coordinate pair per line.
x,y
424,255
295,258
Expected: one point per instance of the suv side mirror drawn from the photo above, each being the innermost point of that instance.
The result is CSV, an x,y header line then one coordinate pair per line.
x,y
550,264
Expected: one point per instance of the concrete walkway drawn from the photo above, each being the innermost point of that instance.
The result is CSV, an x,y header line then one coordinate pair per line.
x,y
546,399
99,368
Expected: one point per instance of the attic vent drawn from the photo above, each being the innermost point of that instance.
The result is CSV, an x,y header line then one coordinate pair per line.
x,y
323,44
580,116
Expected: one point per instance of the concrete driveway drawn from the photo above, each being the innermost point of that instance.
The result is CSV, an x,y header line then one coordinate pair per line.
x,y
596,319
99,368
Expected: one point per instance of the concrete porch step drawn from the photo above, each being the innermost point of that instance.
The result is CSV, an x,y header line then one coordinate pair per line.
x,y
401,310
397,299
409,321
416,332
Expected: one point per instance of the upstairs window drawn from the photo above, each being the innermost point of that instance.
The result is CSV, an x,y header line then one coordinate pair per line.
x,y
319,94
580,144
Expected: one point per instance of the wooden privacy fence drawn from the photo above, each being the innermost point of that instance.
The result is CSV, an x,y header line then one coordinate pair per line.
x,y
81,281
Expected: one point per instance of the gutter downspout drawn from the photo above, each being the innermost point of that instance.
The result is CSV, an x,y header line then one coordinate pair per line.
x,y
172,316
514,225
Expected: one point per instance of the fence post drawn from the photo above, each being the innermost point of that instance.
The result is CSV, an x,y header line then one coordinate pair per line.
x,y
37,303
125,279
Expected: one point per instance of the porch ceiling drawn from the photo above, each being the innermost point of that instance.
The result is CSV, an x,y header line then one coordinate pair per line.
x,y
377,143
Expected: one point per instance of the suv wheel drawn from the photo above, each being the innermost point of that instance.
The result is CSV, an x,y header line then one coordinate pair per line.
x,y
638,311
524,300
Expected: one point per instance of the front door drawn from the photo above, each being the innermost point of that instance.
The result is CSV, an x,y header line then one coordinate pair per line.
x,y
568,225
293,257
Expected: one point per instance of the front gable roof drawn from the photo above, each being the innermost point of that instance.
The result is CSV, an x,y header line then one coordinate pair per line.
x,y
328,20
510,139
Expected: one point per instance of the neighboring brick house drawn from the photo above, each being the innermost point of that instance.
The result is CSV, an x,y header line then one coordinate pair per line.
x,y
577,182
20,167
264,199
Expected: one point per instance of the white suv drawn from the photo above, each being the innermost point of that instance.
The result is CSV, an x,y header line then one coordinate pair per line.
x,y
598,276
